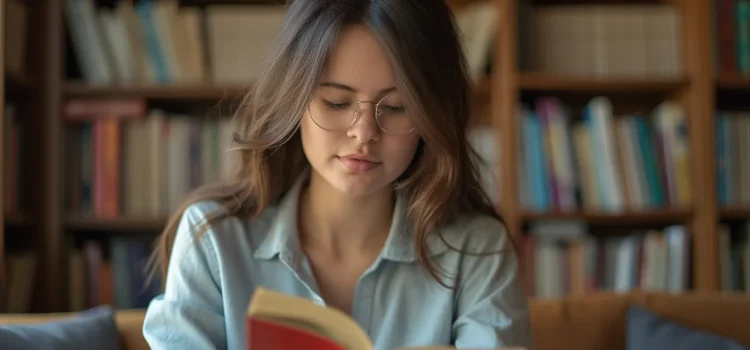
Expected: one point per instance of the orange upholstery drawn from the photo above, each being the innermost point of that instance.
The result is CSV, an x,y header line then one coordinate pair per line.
x,y
598,321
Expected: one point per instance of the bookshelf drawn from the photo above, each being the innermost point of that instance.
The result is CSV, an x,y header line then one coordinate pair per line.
x,y
513,82
518,81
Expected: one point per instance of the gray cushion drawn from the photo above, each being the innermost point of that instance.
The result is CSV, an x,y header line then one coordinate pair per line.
x,y
94,328
649,331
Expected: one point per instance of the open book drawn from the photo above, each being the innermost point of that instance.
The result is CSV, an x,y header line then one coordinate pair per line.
x,y
280,321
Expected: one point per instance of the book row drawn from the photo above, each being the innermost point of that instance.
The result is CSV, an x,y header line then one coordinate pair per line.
x,y
143,166
163,42
731,21
603,161
596,161
18,287
734,257
733,158
561,260
601,39
112,272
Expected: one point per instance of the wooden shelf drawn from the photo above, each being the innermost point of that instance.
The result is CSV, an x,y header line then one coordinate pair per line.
x,y
157,92
733,82
17,81
668,216
17,219
531,81
119,224
736,213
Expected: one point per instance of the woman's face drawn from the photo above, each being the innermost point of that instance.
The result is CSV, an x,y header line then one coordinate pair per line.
x,y
356,156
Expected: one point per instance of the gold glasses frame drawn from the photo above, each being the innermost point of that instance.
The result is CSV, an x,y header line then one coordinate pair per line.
x,y
357,112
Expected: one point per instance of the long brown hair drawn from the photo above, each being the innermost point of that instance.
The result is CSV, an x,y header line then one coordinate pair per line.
x,y
422,43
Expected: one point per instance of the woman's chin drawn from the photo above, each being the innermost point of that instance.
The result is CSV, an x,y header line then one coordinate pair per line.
x,y
356,187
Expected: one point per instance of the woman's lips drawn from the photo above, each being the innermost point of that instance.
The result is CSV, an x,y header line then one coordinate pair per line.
x,y
357,164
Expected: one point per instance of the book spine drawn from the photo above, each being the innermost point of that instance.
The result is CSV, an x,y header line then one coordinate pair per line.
x,y
726,22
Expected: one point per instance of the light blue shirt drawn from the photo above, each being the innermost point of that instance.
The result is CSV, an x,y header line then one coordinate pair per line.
x,y
211,281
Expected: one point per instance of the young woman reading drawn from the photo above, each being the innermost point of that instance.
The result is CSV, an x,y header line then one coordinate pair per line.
x,y
355,187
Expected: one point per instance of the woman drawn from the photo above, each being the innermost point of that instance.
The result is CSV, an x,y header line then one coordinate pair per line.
x,y
355,187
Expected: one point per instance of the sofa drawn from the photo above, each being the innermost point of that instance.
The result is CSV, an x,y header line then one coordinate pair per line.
x,y
589,322
599,321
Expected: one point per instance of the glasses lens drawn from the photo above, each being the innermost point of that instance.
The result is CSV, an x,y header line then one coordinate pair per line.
x,y
393,117
333,108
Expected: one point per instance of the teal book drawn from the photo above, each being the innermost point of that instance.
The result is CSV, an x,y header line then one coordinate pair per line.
x,y
742,18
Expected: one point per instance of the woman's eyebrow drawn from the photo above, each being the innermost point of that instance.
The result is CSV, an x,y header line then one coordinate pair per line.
x,y
351,89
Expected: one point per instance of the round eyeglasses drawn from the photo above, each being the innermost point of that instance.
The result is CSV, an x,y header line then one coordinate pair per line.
x,y
338,109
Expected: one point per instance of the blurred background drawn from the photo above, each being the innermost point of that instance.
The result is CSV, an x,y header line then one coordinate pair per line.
x,y
614,134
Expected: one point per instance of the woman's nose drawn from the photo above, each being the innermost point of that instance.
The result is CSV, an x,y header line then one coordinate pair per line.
x,y
365,127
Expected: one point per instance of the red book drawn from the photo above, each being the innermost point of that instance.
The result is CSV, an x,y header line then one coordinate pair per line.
x,y
280,321
277,321
265,334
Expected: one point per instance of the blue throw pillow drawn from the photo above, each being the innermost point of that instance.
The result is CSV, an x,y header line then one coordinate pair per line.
x,y
649,331
94,328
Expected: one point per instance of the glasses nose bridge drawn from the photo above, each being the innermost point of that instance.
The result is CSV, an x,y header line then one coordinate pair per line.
x,y
358,109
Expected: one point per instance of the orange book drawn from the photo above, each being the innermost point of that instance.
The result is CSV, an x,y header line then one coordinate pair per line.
x,y
108,165
280,321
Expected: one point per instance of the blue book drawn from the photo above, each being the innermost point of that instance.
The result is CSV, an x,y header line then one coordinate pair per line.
x,y
154,46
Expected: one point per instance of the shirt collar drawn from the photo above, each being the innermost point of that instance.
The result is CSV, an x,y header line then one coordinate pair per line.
x,y
282,236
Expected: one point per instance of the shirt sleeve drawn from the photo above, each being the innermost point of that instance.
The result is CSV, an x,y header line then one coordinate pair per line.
x,y
189,314
491,304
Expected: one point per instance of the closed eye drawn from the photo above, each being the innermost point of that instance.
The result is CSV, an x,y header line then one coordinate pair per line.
x,y
393,109
336,106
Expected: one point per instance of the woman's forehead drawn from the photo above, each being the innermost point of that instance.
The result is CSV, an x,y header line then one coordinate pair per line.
x,y
359,62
